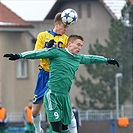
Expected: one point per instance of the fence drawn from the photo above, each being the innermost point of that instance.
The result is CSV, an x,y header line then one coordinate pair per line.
x,y
92,121
125,111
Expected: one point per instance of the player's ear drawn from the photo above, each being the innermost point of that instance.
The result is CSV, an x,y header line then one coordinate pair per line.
x,y
56,23
69,44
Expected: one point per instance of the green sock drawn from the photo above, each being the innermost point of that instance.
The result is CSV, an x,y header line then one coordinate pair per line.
x,y
64,131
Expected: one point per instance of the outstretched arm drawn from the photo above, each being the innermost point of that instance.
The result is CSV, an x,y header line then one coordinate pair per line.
x,y
35,54
94,59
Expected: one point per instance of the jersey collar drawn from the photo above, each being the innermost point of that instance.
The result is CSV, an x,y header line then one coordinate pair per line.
x,y
69,52
53,33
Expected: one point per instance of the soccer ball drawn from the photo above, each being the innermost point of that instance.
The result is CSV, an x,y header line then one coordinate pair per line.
x,y
69,16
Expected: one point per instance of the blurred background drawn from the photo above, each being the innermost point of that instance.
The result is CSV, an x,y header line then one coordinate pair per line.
x,y
102,93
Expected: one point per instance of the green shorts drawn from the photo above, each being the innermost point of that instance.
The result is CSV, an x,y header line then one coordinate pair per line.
x,y
57,106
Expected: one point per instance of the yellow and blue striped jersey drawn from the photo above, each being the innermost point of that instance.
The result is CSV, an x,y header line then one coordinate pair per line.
x,y
42,40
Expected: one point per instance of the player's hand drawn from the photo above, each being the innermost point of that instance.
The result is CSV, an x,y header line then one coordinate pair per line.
x,y
50,43
12,56
112,62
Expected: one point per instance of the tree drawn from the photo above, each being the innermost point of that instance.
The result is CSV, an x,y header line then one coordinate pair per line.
x,y
98,90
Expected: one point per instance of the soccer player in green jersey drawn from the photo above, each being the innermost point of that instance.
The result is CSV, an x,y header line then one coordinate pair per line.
x,y
46,39
63,65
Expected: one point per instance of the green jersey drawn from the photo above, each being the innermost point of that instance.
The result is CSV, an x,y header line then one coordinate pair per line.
x,y
63,65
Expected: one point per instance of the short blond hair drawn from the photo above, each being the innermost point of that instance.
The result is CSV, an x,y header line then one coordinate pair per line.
x,y
57,17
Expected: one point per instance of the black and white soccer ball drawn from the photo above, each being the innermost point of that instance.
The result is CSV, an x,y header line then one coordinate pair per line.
x,y
69,16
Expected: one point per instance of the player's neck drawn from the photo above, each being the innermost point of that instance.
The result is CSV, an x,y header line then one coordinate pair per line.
x,y
55,30
68,51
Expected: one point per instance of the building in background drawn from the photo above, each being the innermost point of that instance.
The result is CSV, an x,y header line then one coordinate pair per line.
x,y
17,79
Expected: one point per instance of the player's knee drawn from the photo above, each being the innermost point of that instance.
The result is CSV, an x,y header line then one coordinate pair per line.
x,y
35,112
57,126
64,127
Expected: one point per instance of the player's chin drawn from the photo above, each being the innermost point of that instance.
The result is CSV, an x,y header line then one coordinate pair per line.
x,y
64,31
76,52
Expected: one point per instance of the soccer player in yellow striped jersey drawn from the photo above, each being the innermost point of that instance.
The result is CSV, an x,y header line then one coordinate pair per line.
x,y
43,39
57,35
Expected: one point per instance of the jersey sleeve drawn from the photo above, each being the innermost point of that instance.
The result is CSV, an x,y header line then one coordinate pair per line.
x,y
38,54
65,41
92,59
40,41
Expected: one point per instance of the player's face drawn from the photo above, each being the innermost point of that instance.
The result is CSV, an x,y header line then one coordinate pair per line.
x,y
75,46
60,28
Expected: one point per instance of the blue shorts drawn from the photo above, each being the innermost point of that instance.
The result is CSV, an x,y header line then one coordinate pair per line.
x,y
41,86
